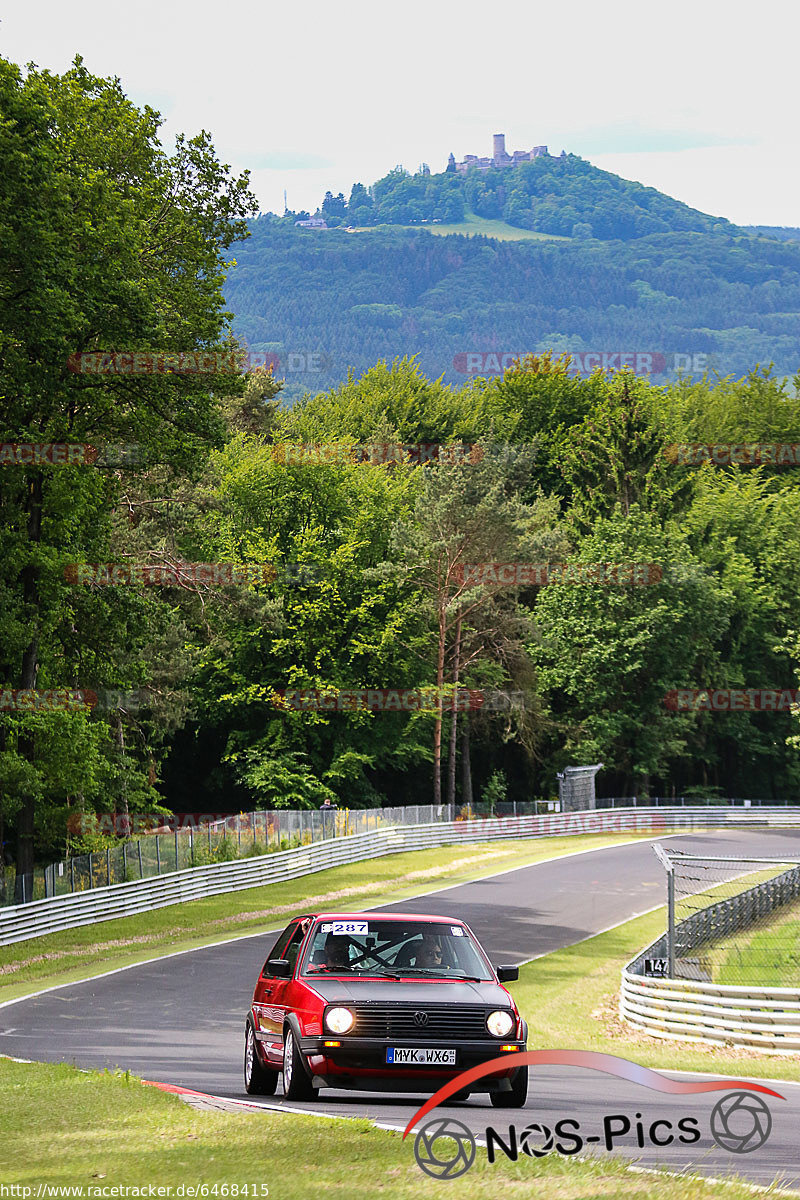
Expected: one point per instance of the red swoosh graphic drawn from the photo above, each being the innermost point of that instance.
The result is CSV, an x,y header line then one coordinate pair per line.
x,y
590,1060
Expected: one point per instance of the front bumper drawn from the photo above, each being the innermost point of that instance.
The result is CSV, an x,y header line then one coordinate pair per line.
x,y
357,1062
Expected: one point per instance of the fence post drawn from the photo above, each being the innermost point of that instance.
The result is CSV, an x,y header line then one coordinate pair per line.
x,y
671,921
141,868
158,856
108,865
72,875
177,867
91,871
667,864
209,837
191,846
124,862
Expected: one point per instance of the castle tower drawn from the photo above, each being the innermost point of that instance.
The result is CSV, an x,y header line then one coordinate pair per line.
x,y
499,148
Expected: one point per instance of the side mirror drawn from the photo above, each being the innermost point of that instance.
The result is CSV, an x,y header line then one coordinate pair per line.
x,y
281,968
507,974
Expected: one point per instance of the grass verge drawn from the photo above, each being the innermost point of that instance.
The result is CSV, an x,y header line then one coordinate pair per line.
x,y
767,956
63,1127
82,953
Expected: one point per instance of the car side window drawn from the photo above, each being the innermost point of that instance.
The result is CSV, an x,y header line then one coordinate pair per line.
x,y
280,946
293,948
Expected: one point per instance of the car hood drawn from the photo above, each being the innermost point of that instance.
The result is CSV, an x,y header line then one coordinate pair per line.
x,y
410,991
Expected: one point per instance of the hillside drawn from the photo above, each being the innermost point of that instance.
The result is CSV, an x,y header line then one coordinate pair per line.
x,y
567,196
690,299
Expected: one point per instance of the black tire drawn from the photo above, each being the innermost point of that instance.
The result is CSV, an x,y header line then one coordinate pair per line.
x,y
296,1083
258,1079
517,1096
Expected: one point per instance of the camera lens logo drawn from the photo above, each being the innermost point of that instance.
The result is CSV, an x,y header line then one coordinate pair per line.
x,y
740,1122
536,1140
454,1155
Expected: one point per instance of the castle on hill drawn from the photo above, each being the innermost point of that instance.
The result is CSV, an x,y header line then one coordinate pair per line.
x,y
500,157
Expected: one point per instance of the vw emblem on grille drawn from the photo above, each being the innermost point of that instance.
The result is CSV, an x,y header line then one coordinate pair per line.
x,y
420,1018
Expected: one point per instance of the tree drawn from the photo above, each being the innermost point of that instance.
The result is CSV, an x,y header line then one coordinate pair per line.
x,y
616,457
107,243
467,515
334,206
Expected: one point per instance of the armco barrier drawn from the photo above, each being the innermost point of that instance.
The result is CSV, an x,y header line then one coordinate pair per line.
x,y
685,1010
20,922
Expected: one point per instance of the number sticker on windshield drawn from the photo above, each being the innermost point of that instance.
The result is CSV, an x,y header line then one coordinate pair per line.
x,y
350,927
457,930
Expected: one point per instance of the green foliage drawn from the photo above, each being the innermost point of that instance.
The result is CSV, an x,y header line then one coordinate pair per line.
x,y
496,790
731,298
549,195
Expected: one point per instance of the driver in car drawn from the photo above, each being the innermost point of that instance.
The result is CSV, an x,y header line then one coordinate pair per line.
x,y
337,953
428,952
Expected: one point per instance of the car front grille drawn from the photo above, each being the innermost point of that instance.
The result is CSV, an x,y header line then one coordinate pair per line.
x,y
444,1021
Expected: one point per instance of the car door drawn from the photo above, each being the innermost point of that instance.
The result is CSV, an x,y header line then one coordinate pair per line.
x,y
274,989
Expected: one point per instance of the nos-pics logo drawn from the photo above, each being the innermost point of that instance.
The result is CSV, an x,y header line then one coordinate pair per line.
x,y
445,1148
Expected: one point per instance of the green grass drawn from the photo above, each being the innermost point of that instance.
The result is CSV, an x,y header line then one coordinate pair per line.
x,y
472,225
82,953
63,1127
688,905
765,957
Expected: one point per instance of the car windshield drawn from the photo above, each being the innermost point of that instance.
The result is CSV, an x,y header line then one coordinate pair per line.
x,y
394,949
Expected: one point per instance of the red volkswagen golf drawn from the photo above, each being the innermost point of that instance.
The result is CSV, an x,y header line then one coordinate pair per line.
x,y
390,1002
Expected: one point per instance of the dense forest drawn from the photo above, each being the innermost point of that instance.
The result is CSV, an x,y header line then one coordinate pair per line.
x,y
358,561
698,301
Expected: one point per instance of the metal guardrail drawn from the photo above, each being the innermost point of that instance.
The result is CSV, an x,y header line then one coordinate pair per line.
x,y
21,922
723,1014
697,1010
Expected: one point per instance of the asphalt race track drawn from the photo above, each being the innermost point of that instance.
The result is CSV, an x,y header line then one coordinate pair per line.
x,y
180,1019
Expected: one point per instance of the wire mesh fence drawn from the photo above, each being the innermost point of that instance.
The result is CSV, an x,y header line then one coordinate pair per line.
x,y
731,920
194,843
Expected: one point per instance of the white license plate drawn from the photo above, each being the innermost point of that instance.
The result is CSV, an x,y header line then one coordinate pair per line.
x,y
423,1057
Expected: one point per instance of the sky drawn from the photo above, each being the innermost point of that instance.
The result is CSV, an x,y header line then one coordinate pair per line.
x,y
696,99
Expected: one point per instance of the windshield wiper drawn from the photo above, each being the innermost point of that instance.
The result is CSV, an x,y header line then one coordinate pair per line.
x,y
440,974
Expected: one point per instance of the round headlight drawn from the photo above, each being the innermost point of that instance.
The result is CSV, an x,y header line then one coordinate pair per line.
x,y
500,1023
339,1020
